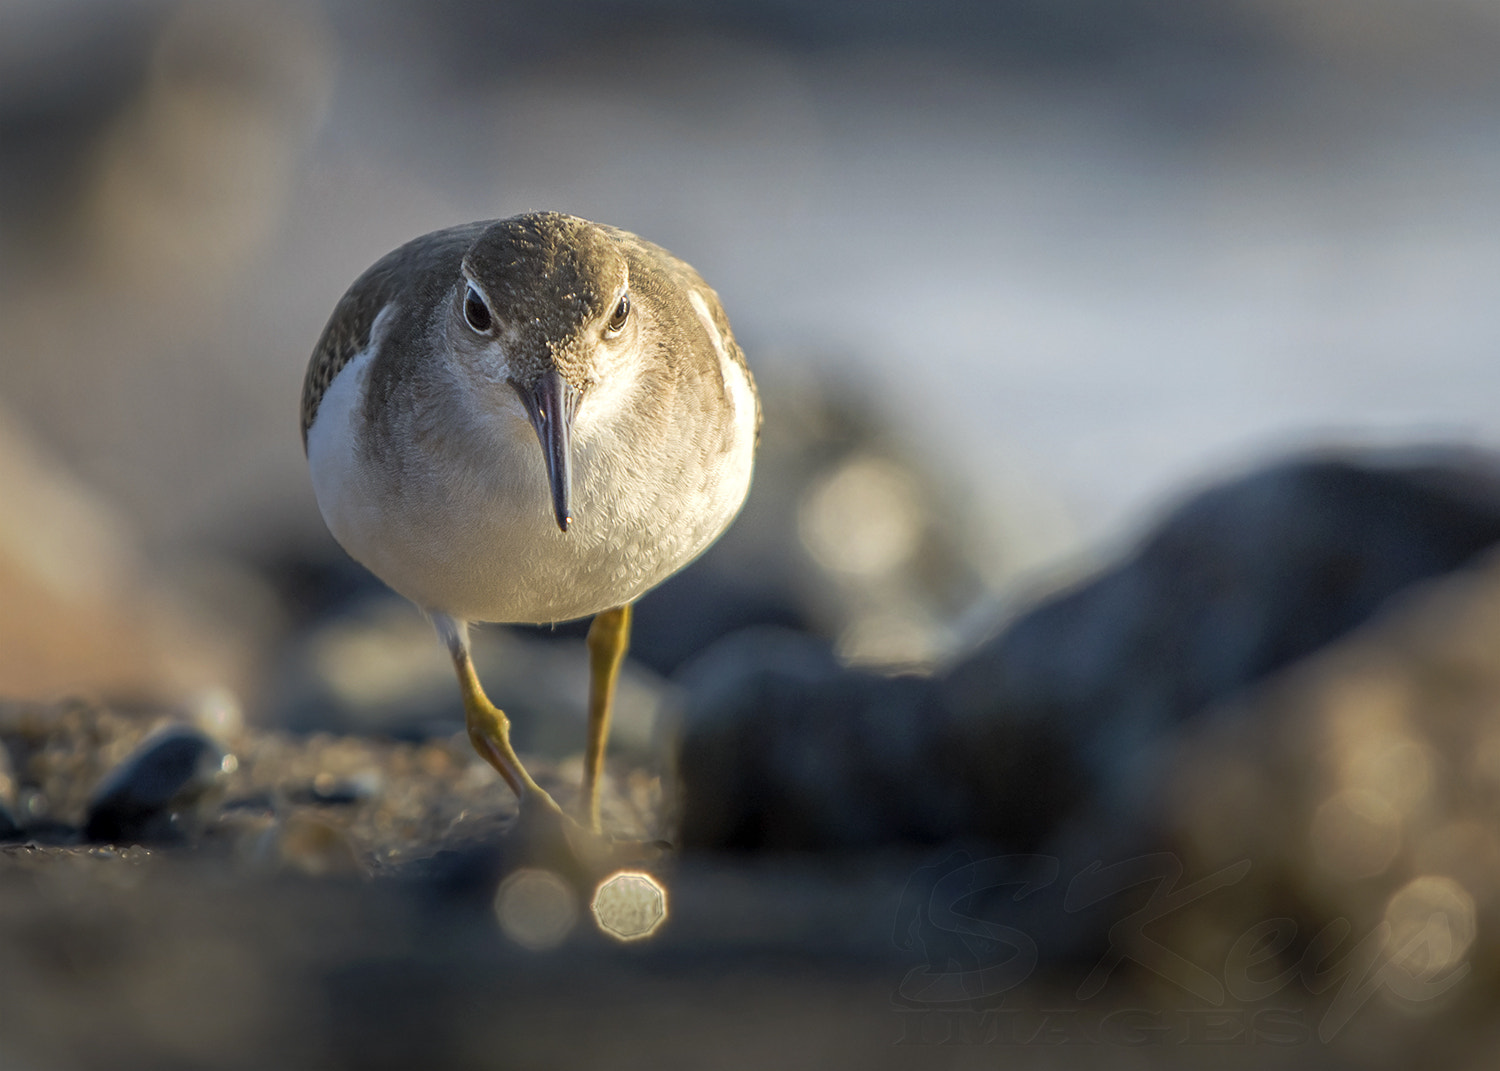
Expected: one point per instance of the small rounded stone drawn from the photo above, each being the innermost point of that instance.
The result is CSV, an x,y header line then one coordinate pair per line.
x,y
159,788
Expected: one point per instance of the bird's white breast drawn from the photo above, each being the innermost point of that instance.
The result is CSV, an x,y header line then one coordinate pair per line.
x,y
465,527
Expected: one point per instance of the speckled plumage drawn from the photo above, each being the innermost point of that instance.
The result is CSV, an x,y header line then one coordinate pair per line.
x,y
426,468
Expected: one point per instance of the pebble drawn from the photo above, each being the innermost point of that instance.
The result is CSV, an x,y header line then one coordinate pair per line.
x,y
160,790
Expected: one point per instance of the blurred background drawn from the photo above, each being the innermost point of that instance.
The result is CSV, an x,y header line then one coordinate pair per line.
x,y
1059,259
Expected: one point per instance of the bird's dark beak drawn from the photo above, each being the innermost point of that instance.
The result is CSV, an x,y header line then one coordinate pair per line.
x,y
551,403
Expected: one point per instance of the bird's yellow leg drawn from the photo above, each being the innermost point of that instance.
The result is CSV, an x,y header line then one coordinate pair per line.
x,y
545,835
609,636
489,728
489,732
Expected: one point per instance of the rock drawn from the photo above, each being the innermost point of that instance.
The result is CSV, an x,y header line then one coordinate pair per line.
x,y
61,750
784,749
166,784
692,610
1241,580
754,770
1064,715
84,612
1353,801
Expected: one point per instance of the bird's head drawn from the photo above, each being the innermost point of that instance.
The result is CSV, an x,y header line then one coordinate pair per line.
x,y
543,310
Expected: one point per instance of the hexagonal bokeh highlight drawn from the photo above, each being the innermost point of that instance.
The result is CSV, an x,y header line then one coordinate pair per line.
x,y
630,905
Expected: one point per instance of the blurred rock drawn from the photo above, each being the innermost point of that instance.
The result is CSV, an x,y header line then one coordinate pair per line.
x,y
1064,715
785,749
1240,580
61,751
1363,786
84,612
164,791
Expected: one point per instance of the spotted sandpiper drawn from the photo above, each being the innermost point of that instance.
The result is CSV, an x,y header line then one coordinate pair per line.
x,y
531,419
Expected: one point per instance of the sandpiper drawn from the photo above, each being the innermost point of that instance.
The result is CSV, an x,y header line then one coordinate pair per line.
x,y
531,419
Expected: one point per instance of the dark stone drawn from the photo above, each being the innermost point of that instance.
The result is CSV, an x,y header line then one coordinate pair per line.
x,y
1062,716
159,788
787,750
314,586
712,604
1240,581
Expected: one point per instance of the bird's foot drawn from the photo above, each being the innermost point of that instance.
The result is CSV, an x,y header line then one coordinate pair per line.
x,y
545,835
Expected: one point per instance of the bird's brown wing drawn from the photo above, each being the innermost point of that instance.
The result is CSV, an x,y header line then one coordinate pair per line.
x,y
414,270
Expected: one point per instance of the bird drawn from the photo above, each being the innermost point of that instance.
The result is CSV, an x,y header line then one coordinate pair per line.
x,y
529,420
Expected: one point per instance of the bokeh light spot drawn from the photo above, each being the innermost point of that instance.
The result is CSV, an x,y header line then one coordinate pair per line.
x,y
1392,766
863,519
630,905
536,908
1432,925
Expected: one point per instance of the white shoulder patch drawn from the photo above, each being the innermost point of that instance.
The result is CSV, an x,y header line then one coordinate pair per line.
x,y
736,384
333,454
700,306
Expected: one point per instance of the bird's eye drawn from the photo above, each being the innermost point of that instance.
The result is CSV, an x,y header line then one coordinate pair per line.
x,y
476,312
619,316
